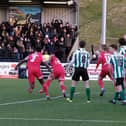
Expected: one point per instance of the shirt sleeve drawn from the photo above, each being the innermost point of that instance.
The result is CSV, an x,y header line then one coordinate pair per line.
x,y
99,61
73,59
26,58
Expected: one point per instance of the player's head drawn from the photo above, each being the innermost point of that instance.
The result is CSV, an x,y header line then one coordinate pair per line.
x,y
38,49
51,58
122,41
104,47
82,44
113,48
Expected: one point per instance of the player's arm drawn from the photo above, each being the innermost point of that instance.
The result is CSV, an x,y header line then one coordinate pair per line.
x,y
44,63
72,60
21,62
120,51
89,57
98,62
110,65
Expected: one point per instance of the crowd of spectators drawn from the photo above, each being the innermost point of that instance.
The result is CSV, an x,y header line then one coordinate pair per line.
x,y
17,40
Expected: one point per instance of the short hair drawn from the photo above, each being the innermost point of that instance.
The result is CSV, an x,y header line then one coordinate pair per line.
x,y
38,49
104,47
82,44
114,46
122,41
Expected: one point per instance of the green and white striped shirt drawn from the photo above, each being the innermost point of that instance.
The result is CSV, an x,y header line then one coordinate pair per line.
x,y
122,50
80,58
117,60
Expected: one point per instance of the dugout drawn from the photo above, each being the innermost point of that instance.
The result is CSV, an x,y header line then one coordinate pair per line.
x,y
44,10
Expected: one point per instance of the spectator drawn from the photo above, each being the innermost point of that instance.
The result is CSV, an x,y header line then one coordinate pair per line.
x,y
21,48
61,48
2,50
68,42
21,39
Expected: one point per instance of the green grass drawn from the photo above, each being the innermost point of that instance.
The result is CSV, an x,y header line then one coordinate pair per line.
x,y
58,112
90,20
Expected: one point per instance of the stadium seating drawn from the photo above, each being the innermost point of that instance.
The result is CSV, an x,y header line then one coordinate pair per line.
x,y
18,40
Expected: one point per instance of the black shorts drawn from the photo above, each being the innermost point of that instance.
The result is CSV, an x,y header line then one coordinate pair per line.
x,y
119,81
80,72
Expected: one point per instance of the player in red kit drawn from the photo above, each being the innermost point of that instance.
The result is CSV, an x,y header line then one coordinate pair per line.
x,y
58,73
33,66
106,68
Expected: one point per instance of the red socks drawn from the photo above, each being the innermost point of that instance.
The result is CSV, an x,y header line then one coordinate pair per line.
x,y
45,88
63,88
47,83
100,82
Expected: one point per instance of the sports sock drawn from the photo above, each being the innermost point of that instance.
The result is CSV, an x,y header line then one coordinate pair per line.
x,y
47,83
116,96
63,89
122,95
123,88
45,88
88,93
100,82
72,90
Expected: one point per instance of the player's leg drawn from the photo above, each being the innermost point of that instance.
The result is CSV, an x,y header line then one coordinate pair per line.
x,y
75,78
119,91
44,89
63,88
48,81
47,84
61,79
31,80
110,74
88,92
111,78
85,78
116,94
100,82
39,76
72,91
31,84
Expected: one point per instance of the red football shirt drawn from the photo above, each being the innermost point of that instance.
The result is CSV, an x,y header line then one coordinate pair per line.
x,y
34,60
103,58
54,62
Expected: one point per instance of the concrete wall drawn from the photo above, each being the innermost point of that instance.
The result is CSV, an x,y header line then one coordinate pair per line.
x,y
66,14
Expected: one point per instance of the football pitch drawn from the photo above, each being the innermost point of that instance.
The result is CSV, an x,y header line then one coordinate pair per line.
x,y
19,108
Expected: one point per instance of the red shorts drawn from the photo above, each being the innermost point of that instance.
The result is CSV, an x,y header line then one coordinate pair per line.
x,y
59,73
32,73
106,71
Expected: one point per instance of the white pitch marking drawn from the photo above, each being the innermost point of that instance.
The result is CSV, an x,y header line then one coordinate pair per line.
x,y
32,100
62,120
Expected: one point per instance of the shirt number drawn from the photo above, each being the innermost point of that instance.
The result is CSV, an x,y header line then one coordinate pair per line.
x,y
83,59
120,61
33,57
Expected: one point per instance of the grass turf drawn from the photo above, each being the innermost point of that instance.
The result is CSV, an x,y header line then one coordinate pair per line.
x,y
58,112
90,17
